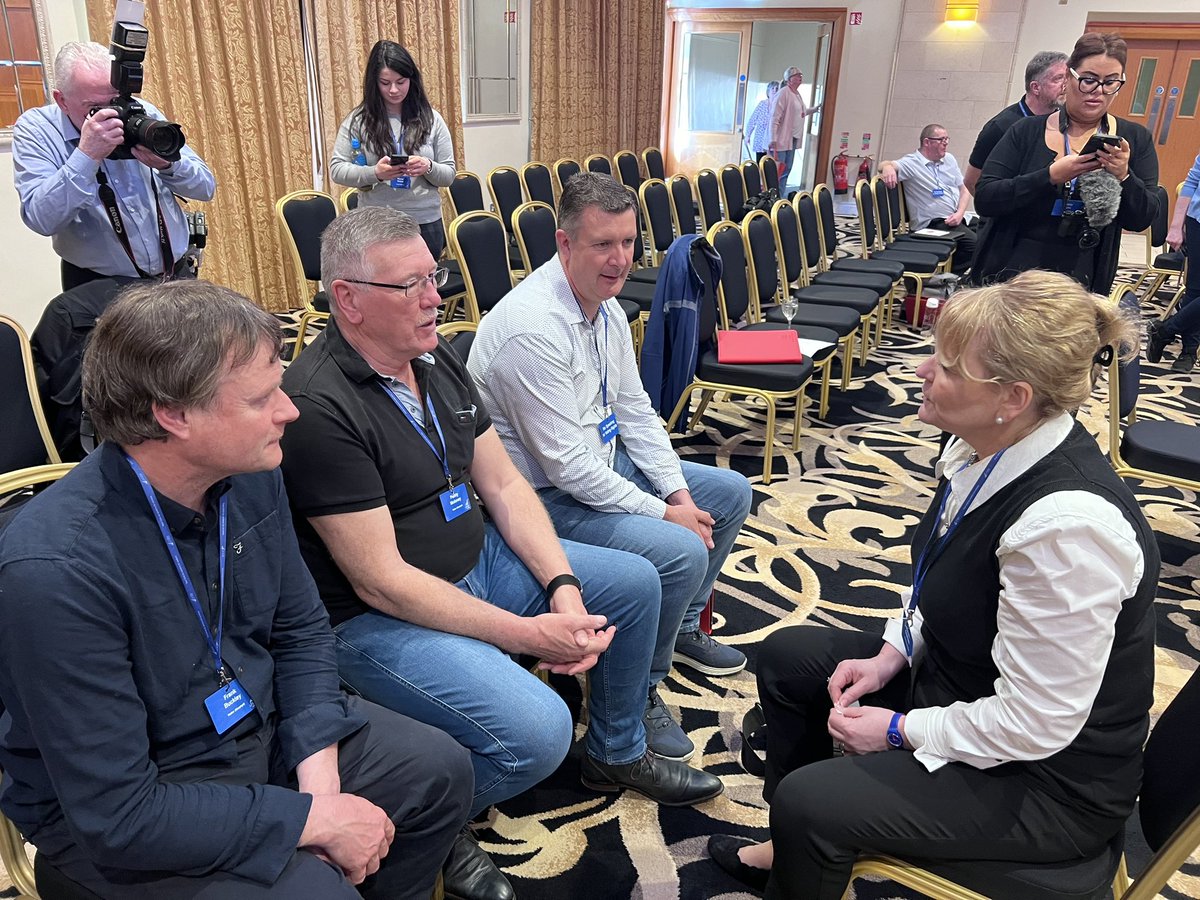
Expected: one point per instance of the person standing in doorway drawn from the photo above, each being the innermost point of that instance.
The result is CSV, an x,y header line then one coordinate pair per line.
x,y
787,118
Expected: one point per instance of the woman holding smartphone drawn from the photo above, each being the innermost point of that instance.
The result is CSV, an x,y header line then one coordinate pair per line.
x,y
1058,189
394,147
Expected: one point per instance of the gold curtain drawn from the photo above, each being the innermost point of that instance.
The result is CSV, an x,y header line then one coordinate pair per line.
x,y
345,33
597,77
231,75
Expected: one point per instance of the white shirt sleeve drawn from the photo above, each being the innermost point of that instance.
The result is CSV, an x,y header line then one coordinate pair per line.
x,y
1066,566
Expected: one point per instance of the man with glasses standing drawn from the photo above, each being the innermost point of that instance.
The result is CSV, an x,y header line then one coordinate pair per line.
x,y
388,468
934,191
1044,77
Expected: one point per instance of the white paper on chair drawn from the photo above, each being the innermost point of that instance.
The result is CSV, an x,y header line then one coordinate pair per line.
x,y
810,347
931,232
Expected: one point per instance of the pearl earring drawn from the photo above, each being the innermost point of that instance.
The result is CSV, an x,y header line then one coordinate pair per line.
x,y
999,420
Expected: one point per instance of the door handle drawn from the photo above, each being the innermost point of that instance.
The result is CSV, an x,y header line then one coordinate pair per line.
x,y
1165,131
1155,109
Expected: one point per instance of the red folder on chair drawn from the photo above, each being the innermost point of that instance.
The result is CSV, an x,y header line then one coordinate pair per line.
x,y
758,347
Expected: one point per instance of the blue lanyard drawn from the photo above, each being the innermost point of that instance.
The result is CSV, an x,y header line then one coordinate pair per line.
x,y
601,361
935,169
443,457
1026,112
1066,153
934,547
214,642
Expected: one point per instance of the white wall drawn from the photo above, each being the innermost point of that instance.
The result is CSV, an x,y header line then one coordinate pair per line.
x,y
26,258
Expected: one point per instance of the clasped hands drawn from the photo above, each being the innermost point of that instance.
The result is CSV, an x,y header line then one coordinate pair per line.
x,y
859,729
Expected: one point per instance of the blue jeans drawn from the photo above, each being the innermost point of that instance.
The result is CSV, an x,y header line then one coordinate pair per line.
x,y
687,569
517,729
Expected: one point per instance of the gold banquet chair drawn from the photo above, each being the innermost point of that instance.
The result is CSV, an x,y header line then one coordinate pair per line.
x,y
1095,878
772,384
1163,452
302,216
12,845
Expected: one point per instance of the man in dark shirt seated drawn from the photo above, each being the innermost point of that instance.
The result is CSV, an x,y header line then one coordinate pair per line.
x,y
171,723
387,469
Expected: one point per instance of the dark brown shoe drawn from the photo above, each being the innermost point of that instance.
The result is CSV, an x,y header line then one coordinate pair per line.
x,y
664,781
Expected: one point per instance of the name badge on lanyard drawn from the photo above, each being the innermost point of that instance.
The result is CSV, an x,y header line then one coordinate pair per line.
x,y
229,703
607,427
456,499
938,193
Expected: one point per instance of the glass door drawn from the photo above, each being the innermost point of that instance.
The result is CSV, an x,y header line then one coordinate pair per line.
x,y
708,99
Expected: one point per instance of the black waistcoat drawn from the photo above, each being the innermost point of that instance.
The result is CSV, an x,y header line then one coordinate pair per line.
x,y
1099,773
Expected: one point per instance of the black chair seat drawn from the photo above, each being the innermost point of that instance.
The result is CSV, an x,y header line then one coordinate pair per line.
x,y
933,248
1089,878
320,302
454,285
780,377
514,258
886,267
808,332
461,343
639,292
913,261
631,308
1172,260
841,320
858,299
648,275
54,885
1167,447
871,281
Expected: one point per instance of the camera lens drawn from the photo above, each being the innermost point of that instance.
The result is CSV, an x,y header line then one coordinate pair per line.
x,y
164,138
1088,238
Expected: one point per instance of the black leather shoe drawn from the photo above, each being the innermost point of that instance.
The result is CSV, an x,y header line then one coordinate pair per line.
x,y
470,874
723,850
1156,342
664,781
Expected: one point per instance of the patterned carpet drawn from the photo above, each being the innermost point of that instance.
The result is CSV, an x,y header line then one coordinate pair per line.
x,y
827,542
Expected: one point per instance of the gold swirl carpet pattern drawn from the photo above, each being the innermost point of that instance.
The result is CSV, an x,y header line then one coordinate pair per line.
x,y
827,542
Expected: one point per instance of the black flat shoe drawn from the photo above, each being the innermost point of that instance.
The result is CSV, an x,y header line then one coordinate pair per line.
x,y
723,850
664,781
470,874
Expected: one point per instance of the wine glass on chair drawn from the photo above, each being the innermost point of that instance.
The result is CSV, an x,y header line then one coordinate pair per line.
x,y
788,307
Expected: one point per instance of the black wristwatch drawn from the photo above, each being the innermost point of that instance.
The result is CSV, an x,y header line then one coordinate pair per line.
x,y
559,580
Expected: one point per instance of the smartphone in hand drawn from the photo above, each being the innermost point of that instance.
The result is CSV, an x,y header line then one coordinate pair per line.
x,y
1096,141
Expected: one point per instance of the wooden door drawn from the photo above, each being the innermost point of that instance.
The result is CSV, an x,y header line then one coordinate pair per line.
x,y
1162,93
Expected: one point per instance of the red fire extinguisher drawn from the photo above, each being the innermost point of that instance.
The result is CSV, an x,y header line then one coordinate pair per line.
x,y
864,170
841,170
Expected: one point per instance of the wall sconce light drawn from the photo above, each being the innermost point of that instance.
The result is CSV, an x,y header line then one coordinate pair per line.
x,y
962,11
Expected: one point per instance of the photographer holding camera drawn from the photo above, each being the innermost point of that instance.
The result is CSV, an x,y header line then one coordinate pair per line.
x,y
107,201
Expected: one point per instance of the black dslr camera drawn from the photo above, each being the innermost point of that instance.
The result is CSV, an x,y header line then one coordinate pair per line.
x,y
129,41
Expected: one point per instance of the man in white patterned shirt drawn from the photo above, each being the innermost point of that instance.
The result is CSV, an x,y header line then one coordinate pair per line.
x,y
555,367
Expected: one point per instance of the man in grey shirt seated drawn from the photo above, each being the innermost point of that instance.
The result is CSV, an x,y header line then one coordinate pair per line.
x,y
555,366
934,192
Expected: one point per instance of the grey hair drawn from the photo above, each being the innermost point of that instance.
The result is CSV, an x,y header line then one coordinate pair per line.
x,y
347,239
591,189
76,54
789,72
1036,68
167,345
928,130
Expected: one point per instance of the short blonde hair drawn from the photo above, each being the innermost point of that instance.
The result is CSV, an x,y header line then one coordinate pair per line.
x,y
1042,328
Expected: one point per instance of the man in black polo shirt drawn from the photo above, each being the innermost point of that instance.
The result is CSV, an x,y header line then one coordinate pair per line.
x,y
171,723
1044,78
387,469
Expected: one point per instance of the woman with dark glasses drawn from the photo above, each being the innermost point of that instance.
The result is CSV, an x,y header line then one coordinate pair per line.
x,y
1058,189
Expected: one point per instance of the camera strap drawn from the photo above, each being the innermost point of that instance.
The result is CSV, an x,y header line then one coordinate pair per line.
x,y
108,197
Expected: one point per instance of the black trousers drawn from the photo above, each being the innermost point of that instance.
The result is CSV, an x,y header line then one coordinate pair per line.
x,y
964,250
73,276
827,810
434,236
419,775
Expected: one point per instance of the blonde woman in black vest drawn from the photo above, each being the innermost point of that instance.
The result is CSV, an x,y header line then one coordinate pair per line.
x,y
1002,715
